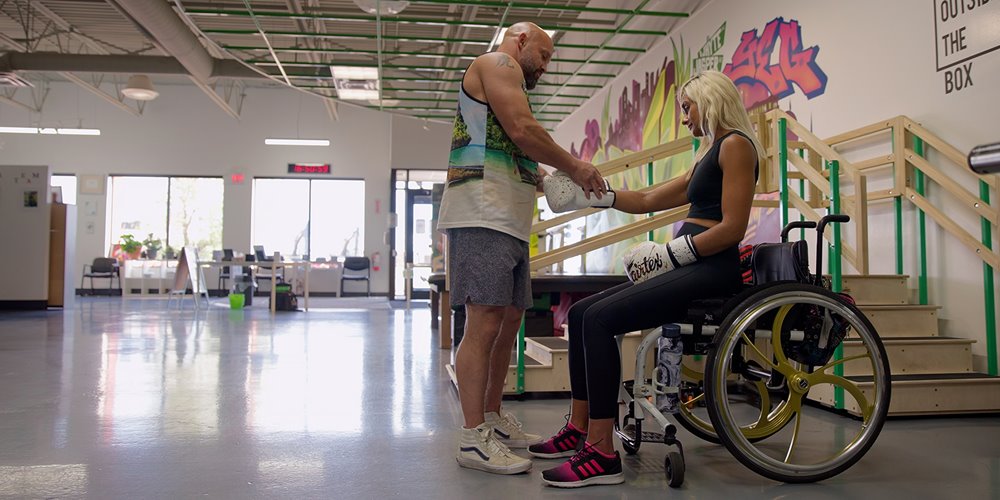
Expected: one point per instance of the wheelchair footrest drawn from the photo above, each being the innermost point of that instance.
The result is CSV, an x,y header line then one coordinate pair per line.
x,y
647,436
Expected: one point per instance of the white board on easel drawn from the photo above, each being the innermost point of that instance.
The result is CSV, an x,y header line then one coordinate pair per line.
x,y
189,273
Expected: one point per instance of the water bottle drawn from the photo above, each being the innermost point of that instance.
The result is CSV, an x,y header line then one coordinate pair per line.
x,y
668,368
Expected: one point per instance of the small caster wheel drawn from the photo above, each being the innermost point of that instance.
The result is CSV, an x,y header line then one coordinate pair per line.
x,y
673,465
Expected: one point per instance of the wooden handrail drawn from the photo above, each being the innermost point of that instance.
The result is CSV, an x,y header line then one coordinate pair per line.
x,y
613,235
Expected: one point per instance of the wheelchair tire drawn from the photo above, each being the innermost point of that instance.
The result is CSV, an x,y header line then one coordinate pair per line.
x,y
738,337
673,468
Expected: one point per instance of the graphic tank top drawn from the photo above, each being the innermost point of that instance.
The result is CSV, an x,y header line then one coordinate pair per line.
x,y
491,182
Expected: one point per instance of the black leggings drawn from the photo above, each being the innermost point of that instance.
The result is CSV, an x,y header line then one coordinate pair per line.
x,y
594,360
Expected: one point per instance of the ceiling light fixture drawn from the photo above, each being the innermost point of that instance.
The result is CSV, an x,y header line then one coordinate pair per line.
x,y
140,88
383,7
297,142
49,131
356,83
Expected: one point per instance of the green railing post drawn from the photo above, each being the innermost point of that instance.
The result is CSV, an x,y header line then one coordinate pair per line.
x,y
988,290
835,276
802,194
520,357
897,205
783,169
918,148
649,182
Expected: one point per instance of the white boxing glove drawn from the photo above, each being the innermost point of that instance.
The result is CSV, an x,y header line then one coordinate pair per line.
x,y
648,259
563,195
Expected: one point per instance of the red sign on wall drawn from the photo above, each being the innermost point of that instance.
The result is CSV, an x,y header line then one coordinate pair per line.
x,y
309,168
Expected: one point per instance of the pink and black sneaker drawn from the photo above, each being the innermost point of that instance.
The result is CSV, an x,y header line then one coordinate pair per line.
x,y
590,466
566,443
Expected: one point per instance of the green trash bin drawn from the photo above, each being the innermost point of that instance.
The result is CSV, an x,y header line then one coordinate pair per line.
x,y
236,300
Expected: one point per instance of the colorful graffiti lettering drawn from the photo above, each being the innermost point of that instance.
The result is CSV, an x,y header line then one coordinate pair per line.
x,y
759,80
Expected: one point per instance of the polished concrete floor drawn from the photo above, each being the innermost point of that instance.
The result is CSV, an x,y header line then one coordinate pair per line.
x,y
125,399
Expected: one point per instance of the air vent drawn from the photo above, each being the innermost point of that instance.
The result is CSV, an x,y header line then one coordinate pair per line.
x,y
8,79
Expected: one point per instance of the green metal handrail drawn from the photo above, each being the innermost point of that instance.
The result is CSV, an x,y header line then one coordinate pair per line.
x,y
918,147
836,281
988,289
783,169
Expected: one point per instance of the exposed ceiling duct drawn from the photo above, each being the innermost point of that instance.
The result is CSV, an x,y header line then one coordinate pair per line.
x,y
171,34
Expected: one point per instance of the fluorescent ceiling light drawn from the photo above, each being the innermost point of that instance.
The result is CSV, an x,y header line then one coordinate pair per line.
x,y
78,131
354,72
499,36
18,130
358,95
297,142
49,131
356,83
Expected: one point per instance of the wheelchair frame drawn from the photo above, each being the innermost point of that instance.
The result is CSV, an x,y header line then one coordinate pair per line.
x,y
735,331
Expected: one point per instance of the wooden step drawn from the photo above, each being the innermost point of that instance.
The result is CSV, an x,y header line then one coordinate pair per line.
x,y
950,393
903,321
544,349
877,289
915,355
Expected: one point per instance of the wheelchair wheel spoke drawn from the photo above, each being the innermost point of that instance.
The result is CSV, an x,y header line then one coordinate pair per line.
x,y
840,362
795,437
859,396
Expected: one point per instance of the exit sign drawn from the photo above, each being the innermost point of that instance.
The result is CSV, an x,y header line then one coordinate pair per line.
x,y
309,168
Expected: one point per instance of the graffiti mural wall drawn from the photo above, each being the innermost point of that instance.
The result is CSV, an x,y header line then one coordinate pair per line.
x,y
833,67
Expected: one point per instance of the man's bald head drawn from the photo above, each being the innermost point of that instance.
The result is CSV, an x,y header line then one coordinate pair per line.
x,y
528,28
532,48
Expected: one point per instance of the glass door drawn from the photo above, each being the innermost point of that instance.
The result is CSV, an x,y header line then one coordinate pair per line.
x,y
419,245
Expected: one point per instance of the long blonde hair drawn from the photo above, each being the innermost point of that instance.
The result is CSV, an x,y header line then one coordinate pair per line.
x,y
721,107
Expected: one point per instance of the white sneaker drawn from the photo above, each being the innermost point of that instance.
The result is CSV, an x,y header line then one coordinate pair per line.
x,y
508,430
479,449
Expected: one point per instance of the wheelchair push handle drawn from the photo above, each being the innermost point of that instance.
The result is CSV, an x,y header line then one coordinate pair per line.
x,y
827,219
799,224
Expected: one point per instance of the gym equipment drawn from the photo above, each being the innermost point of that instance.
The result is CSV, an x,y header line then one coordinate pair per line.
x,y
985,159
766,347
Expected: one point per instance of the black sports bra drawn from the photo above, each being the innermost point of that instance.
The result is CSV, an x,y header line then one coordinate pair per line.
x,y
705,188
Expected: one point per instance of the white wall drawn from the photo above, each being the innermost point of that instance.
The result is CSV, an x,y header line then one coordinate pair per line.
x,y
26,229
184,133
880,61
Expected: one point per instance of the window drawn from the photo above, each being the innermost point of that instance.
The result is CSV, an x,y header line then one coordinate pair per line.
x,y
68,185
178,211
309,218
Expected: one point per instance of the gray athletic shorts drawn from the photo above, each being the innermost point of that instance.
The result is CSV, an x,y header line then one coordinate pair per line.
x,y
488,268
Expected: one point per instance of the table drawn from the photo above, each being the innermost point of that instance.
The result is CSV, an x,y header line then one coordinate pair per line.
x,y
276,263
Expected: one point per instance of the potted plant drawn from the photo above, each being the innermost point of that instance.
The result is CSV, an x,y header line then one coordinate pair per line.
x,y
171,254
152,246
130,246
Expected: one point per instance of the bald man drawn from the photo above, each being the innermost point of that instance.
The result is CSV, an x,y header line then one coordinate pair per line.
x,y
487,211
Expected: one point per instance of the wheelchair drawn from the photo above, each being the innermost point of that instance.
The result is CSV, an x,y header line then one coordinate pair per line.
x,y
750,361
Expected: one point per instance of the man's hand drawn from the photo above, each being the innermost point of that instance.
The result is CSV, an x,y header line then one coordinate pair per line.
x,y
589,179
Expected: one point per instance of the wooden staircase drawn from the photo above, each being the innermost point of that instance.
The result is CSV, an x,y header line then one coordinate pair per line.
x,y
931,374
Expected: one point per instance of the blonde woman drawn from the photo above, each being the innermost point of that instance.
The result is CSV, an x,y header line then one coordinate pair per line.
x,y
702,261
